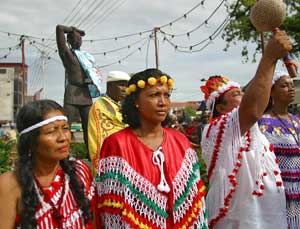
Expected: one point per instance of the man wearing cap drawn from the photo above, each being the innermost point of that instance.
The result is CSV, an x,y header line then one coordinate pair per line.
x,y
105,117
246,189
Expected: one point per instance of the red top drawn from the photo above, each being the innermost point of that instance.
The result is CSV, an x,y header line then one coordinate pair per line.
x,y
61,196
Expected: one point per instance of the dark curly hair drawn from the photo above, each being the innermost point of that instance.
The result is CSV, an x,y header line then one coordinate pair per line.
x,y
30,114
129,111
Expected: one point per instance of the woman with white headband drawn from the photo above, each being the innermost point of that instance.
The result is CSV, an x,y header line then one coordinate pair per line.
x,y
47,189
282,129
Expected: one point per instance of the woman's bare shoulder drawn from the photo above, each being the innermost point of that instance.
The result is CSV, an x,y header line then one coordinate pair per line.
x,y
9,183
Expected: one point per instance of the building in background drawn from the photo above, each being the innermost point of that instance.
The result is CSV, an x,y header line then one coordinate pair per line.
x,y
13,90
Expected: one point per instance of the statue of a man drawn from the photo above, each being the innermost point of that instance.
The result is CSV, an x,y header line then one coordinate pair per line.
x,y
77,95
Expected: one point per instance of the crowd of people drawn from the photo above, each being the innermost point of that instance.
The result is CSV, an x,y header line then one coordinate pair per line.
x,y
145,171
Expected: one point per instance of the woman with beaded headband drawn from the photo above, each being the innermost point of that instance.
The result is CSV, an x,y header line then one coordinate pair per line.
x,y
148,175
282,129
246,190
47,189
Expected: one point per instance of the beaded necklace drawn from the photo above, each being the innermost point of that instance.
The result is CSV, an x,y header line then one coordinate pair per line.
x,y
295,135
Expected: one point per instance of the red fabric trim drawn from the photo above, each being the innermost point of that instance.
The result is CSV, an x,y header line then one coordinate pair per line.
x,y
232,178
217,148
187,218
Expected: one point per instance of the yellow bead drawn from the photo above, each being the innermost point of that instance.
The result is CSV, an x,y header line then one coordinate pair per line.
x,y
132,87
163,79
170,83
141,83
151,81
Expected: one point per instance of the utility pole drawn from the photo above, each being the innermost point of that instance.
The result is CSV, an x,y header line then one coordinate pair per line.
x,y
23,69
156,45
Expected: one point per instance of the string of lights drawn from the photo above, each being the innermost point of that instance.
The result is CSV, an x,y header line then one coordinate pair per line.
x,y
125,57
29,36
184,16
207,41
41,43
119,49
205,22
11,50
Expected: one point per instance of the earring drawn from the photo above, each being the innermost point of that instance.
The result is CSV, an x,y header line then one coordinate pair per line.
x,y
137,106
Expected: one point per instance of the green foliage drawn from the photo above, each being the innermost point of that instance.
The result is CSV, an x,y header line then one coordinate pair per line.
x,y
5,155
203,168
240,28
190,111
79,150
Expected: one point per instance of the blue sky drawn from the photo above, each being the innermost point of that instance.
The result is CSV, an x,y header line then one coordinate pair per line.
x,y
114,18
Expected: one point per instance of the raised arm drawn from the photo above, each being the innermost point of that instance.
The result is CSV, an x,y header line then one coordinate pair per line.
x,y
257,94
60,37
61,30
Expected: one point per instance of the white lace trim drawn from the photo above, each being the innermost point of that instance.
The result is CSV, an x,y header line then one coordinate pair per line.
x,y
120,166
112,221
114,186
182,177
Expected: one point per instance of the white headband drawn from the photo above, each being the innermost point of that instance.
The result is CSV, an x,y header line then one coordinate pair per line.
x,y
278,75
43,123
213,96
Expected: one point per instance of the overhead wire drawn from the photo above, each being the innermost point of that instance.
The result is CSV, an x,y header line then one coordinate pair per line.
x,y
72,12
92,12
81,16
105,16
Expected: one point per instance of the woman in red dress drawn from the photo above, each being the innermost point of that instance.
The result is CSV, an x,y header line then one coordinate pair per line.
x,y
148,175
47,189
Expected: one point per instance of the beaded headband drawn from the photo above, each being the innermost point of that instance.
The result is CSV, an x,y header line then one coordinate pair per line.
x,y
215,87
150,81
43,123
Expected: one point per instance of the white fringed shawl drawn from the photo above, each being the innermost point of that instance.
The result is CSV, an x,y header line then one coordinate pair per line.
x,y
244,177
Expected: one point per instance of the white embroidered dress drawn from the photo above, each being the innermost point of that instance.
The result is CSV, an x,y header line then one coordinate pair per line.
x,y
246,189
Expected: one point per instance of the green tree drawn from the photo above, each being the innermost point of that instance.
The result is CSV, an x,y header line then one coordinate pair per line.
x,y
190,111
240,28
6,162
